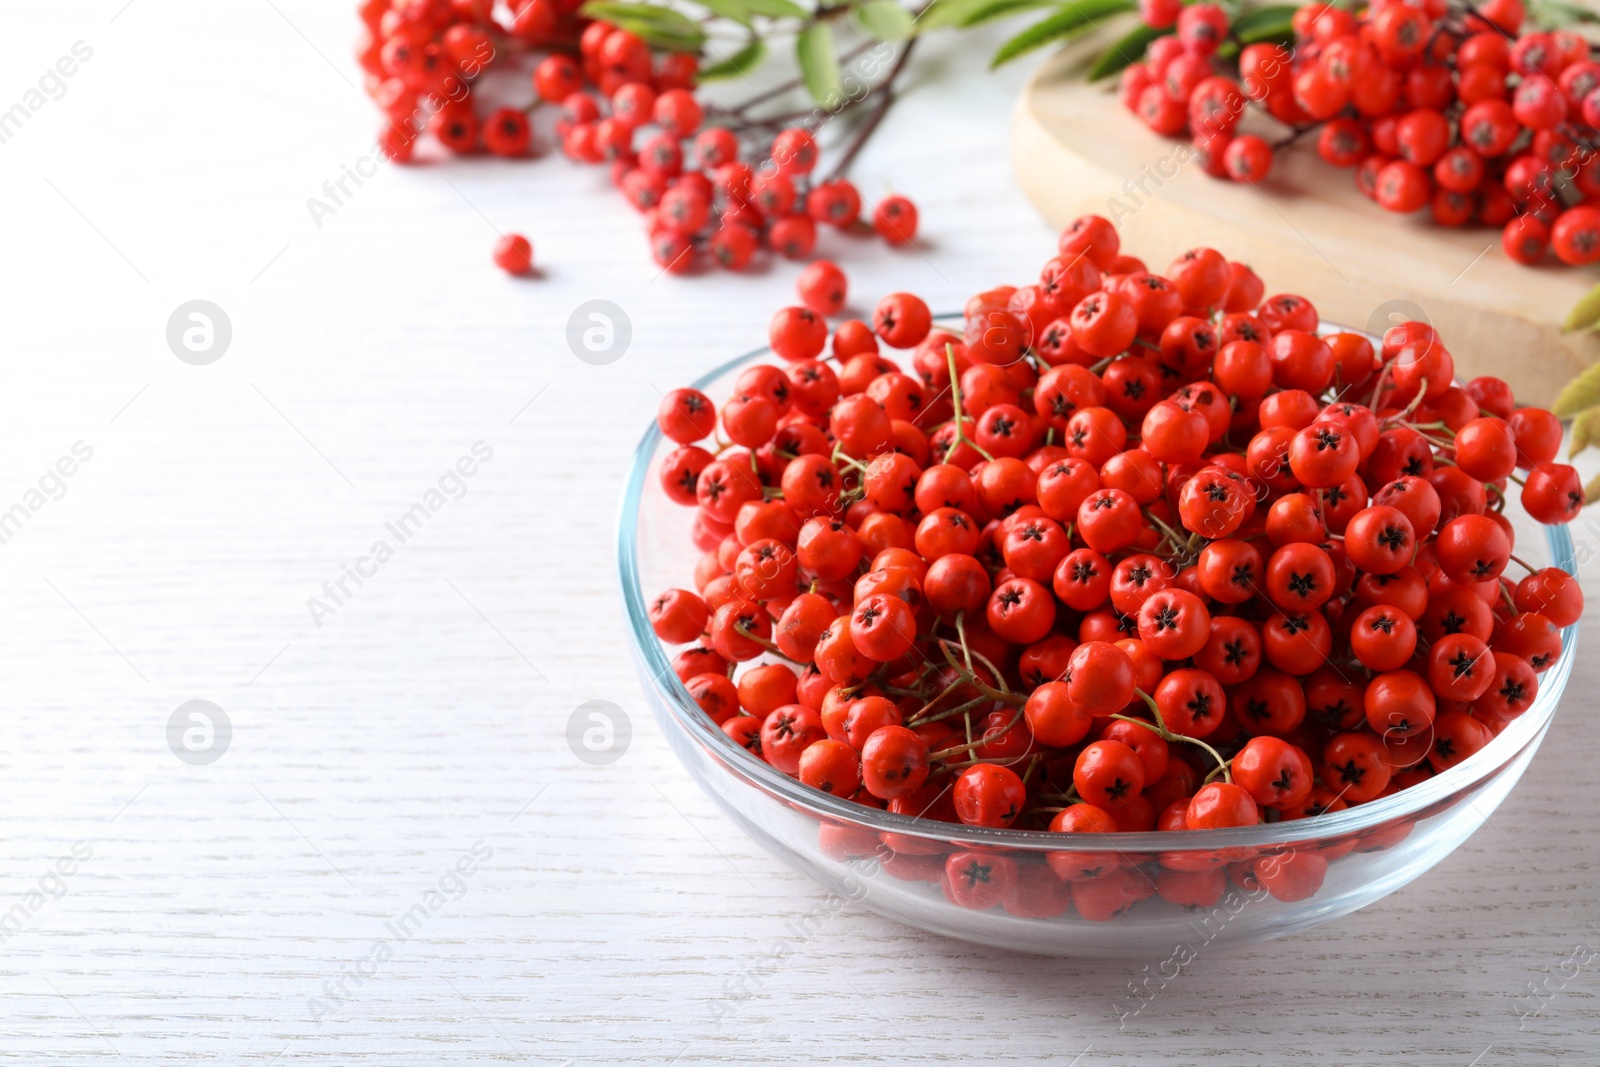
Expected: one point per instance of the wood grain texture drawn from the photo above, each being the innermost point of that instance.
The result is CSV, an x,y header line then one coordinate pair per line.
x,y
1305,227
618,917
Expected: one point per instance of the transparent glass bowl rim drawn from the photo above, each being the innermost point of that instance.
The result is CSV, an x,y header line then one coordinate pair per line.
x,y
1354,820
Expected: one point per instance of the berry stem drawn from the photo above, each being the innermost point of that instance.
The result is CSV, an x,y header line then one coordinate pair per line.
x,y
955,403
1033,765
1416,401
961,632
1179,541
1379,382
955,750
887,98
843,459
971,677
1297,133
963,709
1167,735
742,631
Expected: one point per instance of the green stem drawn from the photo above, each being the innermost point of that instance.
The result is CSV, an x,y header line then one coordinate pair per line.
x,y
956,750
955,403
961,632
963,709
742,631
1003,695
1161,730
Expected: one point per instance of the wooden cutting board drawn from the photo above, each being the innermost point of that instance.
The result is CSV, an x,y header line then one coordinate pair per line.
x,y
1305,230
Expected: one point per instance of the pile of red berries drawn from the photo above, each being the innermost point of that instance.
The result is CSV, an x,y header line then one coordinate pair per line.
x,y
718,191
1122,552
1434,104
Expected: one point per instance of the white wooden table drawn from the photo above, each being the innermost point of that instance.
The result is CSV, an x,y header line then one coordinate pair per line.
x,y
273,906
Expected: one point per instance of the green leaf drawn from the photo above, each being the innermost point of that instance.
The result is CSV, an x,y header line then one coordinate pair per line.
x,y
942,13
739,64
1585,431
885,19
1581,394
661,26
819,66
1073,18
1125,52
737,10
1585,314
1555,15
993,10
1274,23
777,9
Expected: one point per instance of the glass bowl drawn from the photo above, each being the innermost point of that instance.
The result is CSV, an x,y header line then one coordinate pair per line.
x,y
896,865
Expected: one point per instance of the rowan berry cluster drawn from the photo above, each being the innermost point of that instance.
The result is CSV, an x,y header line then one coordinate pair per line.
x,y
1434,105
1122,551
718,191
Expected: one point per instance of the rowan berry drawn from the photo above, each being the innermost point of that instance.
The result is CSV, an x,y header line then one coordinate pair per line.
x,y
1456,737
1354,766
1380,539
1159,14
1032,549
1214,503
1399,704
1383,638
1472,548
1275,773
1108,774
1221,805
794,151
895,220
1485,449
883,627
1082,579
902,320
1292,876
1092,236
979,880
1202,28
1323,455
1021,610
1109,519
793,236
1299,577
829,765
1553,493
1552,593
1247,159
1575,237
514,254
1174,623
1297,642
1104,324
1525,239
987,794
1137,473
894,762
